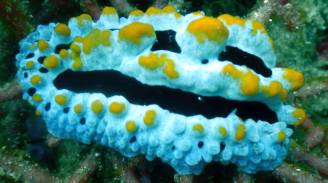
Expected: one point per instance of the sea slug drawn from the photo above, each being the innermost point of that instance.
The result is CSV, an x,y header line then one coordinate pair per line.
x,y
187,89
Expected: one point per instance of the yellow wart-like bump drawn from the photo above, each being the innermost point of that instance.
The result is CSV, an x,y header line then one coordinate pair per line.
x,y
281,136
273,89
43,45
240,132
169,9
208,28
300,115
231,70
198,128
151,61
37,98
131,126
75,48
35,79
51,62
149,117
116,107
63,29
77,64
134,32
109,11
136,13
29,64
61,99
295,78
38,113
249,84
223,131
153,11
63,53
78,108
97,106
231,20
82,19
258,27
94,39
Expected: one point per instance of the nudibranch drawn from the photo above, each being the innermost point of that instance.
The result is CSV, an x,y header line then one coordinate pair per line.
x,y
188,89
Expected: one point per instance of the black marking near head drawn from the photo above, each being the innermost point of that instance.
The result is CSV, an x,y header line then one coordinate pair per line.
x,y
82,121
66,110
31,91
166,41
240,57
114,83
204,61
30,55
41,59
133,139
62,46
43,70
47,107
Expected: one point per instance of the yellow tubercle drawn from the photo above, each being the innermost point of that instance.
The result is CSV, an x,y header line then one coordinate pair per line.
x,y
152,61
281,136
51,62
169,69
153,11
273,89
75,48
208,28
223,131
94,39
82,19
149,117
231,70
131,126
198,13
35,79
78,39
61,99
105,35
63,53
198,128
78,108
37,98
77,64
300,115
29,64
97,106
155,60
136,13
63,29
240,132
231,20
258,27
249,84
109,11
116,107
134,32
169,9
43,45
38,113
283,94
295,78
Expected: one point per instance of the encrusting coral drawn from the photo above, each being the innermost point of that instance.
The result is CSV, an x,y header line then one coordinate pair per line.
x,y
200,61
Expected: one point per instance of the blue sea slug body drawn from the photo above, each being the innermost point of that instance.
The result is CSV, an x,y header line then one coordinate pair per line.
x,y
207,58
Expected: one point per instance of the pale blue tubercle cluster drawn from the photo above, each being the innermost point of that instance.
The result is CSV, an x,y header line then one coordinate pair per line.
x,y
187,143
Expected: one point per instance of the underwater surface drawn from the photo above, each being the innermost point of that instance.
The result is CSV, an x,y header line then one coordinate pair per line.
x,y
163,91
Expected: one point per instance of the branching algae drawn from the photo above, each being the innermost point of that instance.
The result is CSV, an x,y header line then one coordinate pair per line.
x,y
187,89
